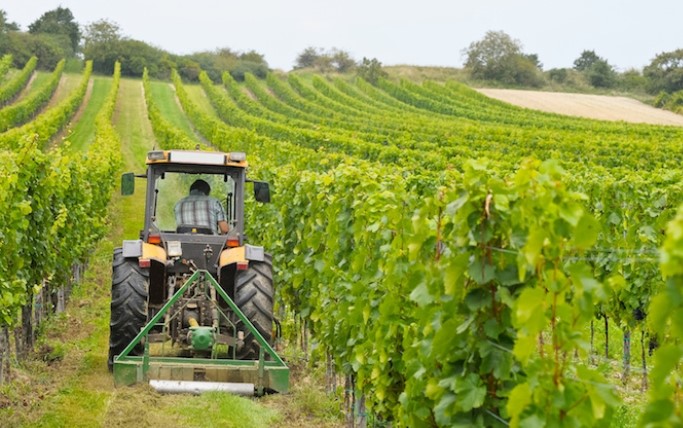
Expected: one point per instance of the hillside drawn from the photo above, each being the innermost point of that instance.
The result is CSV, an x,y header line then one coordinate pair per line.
x,y
442,257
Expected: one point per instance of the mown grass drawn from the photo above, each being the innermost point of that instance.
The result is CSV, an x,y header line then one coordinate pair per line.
x,y
38,82
82,133
197,95
165,100
66,86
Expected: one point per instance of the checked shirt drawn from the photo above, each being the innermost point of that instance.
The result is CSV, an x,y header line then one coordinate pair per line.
x,y
198,209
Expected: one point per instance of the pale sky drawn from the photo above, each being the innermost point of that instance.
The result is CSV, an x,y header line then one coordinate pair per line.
x,y
628,33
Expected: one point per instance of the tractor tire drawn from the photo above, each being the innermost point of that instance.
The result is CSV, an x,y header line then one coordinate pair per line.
x,y
254,297
129,290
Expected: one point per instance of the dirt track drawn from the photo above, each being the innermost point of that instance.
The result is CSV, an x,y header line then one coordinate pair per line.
x,y
591,106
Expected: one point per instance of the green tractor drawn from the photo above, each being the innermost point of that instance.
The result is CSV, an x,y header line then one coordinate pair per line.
x,y
192,302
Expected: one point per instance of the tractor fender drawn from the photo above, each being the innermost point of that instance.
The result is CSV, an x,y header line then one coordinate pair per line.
x,y
227,264
241,254
143,250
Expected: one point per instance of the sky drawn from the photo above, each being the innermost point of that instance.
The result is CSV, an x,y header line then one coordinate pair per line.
x,y
627,33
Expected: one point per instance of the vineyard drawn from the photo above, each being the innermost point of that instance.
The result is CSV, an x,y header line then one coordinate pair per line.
x,y
449,259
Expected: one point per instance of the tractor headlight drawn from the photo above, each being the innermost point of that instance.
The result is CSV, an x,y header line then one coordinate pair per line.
x,y
156,155
174,249
237,156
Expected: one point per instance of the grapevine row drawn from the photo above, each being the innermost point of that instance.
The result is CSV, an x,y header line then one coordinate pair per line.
x,y
12,87
16,114
52,210
46,125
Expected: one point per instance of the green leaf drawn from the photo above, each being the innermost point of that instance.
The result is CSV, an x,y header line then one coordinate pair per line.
x,y
586,232
530,303
421,296
481,272
520,397
471,392
533,246
666,359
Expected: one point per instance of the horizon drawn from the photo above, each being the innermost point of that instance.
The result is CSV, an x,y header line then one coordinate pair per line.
x,y
396,33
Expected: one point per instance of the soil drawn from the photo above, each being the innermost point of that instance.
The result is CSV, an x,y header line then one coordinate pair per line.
x,y
602,107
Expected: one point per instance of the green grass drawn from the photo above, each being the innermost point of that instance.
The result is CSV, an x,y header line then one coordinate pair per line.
x,y
226,411
38,82
68,84
165,99
82,133
137,138
197,95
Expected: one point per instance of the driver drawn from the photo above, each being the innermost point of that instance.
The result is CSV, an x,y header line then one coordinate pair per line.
x,y
200,209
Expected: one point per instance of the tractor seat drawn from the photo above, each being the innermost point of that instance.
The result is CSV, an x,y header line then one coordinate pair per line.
x,y
194,229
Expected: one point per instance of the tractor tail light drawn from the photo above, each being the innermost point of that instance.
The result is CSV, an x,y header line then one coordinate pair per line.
x,y
144,263
244,265
233,241
154,239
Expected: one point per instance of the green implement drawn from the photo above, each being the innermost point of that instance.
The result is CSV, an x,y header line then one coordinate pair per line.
x,y
211,366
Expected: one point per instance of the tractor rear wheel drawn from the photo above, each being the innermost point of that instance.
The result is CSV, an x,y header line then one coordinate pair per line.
x,y
129,289
254,297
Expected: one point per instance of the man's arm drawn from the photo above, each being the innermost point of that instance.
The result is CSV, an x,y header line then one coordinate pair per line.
x,y
223,226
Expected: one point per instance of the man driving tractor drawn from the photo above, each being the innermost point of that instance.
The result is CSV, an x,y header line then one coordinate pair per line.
x,y
198,209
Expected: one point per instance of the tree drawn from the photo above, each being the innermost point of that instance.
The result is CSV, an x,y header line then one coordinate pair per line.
x,y
23,46
58,22
102,45
601,75
342,61
597,70
665,72
308,58
586,60
499,57
6,25
371,70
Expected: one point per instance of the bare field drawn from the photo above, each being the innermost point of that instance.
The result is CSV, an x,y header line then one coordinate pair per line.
x,y
600,107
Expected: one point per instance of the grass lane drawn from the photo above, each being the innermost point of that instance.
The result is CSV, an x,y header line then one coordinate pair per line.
x,y
82,133
165,100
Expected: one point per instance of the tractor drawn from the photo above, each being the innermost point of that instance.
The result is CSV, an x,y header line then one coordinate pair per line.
x,y
192,305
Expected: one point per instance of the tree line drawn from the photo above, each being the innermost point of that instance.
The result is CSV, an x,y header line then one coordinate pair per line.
x,y
497,58
56,35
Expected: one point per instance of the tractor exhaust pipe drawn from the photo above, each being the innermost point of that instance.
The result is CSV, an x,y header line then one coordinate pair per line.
x,y
197,388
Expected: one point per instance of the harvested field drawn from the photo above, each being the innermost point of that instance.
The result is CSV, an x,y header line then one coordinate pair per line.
x,y
601,107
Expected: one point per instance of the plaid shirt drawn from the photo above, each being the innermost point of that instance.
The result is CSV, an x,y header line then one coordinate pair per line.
x,y
198,209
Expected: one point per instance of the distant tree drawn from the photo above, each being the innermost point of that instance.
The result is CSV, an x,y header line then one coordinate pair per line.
x,y
665,72
102,44
598,71
586,60
558,75
258,69
499,57
23,46
533,58
59,21
308,58
102,31
601,75
216,62
342,61
371,70
632,80
252,56
6,25
135,55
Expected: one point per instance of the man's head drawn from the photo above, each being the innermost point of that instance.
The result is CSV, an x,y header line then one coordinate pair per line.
x,y
200,186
